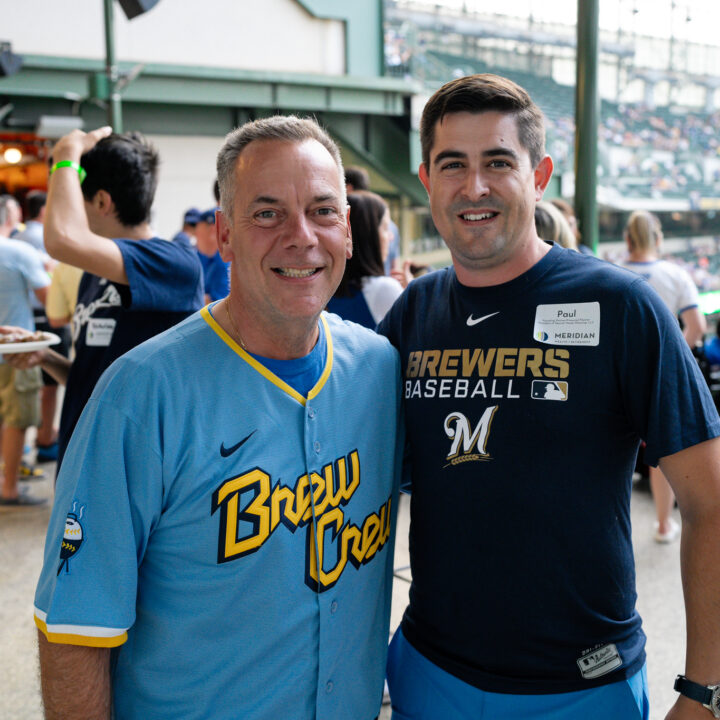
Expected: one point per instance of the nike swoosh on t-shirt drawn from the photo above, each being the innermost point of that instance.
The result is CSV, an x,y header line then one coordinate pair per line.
x,y
474,321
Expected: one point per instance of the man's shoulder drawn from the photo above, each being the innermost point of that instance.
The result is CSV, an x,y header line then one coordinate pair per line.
x,y
19,251
350,336
153,358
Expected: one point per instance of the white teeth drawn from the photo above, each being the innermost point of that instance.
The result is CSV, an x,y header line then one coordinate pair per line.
x,y
295,272
482,216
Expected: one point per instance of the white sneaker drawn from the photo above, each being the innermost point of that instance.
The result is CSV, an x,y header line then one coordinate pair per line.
x,y
669,536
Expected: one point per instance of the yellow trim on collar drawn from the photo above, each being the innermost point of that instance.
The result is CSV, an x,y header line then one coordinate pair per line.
x,y
257,365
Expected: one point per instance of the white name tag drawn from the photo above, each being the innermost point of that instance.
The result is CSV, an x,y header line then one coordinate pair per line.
x,y
568,324
99,332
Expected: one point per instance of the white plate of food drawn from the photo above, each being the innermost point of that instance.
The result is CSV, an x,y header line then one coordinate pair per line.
x,y
11,343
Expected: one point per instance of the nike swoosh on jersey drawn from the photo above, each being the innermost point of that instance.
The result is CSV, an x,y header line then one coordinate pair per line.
x,y
474,321
226,452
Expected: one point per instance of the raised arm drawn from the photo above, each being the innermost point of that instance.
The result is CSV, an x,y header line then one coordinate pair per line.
x,y
75,681
694,475
68,236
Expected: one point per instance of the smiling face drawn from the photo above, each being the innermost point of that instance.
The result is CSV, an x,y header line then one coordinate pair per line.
x,y
483,190
289,235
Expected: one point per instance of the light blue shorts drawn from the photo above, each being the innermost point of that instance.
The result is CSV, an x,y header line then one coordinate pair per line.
x,y
420,690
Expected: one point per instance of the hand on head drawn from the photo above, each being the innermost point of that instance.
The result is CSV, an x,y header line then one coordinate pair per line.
x,y
76,143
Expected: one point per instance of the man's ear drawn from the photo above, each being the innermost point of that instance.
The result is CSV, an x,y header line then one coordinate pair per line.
x,y
348,242
543,173
222,235
103,203
424,177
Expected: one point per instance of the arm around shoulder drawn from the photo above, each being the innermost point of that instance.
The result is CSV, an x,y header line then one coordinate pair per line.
x,y
75,681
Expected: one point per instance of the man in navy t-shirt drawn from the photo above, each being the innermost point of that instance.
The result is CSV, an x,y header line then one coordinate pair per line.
x,y
135,285
531,374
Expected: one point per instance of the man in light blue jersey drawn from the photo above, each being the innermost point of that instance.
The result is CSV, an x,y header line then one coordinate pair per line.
x,y
224,549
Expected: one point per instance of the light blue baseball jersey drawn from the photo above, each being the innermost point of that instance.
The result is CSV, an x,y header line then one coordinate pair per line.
x,y
230,538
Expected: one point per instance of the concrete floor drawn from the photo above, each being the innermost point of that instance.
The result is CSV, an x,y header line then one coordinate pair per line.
x,y
22,535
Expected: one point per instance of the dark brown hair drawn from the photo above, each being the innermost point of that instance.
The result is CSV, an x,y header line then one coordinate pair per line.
x,y
366,213
484,93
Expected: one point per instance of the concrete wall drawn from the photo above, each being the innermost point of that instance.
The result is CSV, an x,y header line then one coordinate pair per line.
x,y
276,35
187,174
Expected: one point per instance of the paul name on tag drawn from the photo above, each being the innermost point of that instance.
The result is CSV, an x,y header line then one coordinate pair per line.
x,y
568,324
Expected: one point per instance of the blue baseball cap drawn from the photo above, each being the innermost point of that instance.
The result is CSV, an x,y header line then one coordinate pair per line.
x,y
208,216
192,217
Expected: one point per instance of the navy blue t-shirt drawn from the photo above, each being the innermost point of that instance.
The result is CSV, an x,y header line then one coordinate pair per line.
x,y
525,404
353,307
165,286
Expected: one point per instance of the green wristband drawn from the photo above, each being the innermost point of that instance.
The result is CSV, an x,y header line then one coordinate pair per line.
x,y
72,164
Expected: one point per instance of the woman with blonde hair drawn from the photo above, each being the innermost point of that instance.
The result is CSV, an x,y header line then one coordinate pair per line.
x,y
553,226
643,235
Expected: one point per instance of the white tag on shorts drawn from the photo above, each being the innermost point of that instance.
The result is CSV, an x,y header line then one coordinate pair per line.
x,y
99,332
568,324
600,661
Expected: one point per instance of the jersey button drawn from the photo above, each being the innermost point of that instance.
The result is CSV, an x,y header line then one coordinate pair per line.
x,y
333,606
316,445
311,412
329,687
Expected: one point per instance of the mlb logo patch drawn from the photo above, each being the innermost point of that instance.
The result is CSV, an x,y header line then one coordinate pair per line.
x,y
549,390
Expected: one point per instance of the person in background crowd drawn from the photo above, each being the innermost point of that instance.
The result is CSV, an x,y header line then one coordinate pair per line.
x,y
35,217
216,271
643,235
358,178
21,274
62,294
46,437
365,293
567,210
552,226
190,220
135,285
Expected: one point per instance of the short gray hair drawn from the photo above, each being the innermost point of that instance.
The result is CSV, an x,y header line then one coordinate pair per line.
x,y
278,127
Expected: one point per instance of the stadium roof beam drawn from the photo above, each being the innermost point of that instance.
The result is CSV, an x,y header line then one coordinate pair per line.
x,y
190,100
77,78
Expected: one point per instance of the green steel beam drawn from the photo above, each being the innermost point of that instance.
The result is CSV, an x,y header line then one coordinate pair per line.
x,y
79,80
587,111
364,52
383,147
114,110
